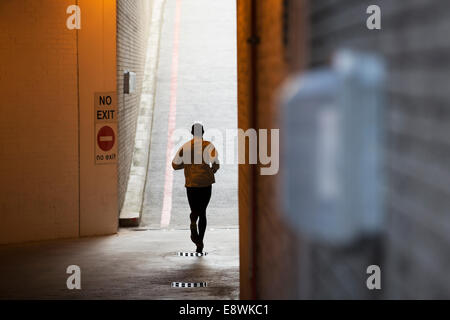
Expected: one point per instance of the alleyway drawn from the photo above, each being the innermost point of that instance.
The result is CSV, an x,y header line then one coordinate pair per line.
x,y
196,80
203,89
345,101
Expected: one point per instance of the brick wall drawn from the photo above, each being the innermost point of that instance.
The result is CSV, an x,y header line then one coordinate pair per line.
x,y
275,245
414,41
244,122
413,250
133,23
272,247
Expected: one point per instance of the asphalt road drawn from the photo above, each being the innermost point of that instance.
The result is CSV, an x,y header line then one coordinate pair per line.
x,y
197,77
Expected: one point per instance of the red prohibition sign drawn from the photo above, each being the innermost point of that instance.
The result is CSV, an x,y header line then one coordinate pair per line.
x,y
106,138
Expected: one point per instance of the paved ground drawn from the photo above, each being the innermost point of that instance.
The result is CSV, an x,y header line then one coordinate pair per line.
x,y
206,91
196,81
130,265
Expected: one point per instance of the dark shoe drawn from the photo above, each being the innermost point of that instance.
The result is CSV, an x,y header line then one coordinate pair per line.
x,y
199,247
194,233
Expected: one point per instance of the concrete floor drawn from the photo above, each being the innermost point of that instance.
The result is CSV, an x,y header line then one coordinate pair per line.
x,y
130,265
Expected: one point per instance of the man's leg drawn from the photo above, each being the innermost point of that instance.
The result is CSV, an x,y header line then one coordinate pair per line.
x,y
205,197
193,217
193,204
202,226
194,233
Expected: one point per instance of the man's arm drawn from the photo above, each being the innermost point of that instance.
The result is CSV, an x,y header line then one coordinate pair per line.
x,y
177,162
214,159
215,166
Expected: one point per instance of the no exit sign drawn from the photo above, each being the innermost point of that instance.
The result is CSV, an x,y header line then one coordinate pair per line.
x,y
105,123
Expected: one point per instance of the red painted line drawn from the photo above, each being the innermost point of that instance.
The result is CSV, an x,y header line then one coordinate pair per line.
x,y
168,184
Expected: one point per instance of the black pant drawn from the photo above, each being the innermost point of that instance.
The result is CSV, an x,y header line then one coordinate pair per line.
x,y
198,201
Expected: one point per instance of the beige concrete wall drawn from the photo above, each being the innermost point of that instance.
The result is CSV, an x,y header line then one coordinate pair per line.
x,y
38,122
97,72
43,114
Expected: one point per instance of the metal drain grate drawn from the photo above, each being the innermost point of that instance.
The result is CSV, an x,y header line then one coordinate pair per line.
x,y
189,284
191,254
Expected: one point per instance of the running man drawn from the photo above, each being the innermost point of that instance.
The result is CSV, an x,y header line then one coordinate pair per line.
x,y
200,162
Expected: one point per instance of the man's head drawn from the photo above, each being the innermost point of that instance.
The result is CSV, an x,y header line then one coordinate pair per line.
x,y
197,130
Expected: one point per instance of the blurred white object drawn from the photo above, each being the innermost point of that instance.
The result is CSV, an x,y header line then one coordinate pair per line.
x,y
129,81
332,149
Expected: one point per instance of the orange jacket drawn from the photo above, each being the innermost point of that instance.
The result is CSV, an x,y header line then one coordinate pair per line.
x,y
200,162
